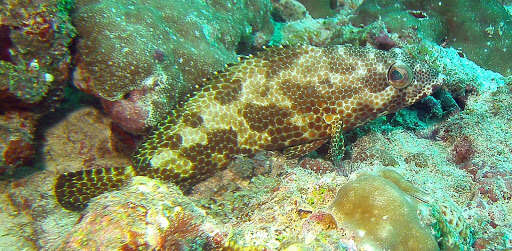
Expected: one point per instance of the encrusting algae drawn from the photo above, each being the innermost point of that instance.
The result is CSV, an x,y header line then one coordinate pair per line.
x,y
283,98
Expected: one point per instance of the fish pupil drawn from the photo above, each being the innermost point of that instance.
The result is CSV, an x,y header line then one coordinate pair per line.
x,y
396,75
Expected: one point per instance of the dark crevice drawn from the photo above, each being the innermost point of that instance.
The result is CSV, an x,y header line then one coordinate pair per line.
x,y
244,46
5,43
276,16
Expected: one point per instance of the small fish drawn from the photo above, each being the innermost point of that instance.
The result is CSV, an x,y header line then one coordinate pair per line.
x,y
284,98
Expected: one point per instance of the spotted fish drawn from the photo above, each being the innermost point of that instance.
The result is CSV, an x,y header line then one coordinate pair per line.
x,y
282,98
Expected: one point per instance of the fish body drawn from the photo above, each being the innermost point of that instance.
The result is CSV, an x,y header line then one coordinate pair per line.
x,y
280,98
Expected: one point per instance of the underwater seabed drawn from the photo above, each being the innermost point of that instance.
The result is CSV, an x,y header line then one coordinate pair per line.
x,y
433,176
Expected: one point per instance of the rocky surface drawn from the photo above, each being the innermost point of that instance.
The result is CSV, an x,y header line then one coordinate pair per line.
x,y
147,56
84,139
481,30
35,62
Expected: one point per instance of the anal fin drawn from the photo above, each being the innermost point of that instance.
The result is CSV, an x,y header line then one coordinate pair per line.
x,y
301,150
74,190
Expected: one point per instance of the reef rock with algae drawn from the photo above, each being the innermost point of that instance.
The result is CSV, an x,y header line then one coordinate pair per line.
x,y
481,29
460,163
34,66
158,50
147,215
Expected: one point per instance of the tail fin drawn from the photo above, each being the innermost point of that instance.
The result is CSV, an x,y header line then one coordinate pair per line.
x,y
75,189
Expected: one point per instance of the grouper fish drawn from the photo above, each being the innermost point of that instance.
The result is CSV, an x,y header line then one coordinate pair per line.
x,y
283,98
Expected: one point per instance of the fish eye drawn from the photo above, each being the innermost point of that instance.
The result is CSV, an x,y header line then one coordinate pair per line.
x,y
399,75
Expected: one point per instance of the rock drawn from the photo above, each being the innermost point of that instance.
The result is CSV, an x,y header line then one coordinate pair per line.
x,y
290,10
146,214
16,140
160,49
83,140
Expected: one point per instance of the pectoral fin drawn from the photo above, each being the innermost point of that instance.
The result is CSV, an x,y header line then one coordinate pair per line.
x,y
337,147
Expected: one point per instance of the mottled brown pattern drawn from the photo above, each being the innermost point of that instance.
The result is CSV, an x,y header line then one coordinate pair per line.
x,y
301,95
285,134
304,97
376,81
338,63
260,118
223,142
172,141
344,92
228,91
192,119
327,82
356,53
279,59
73,190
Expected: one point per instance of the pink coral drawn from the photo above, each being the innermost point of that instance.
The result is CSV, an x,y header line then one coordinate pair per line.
x,y
382,41
317,165
463,150
181,228
129,113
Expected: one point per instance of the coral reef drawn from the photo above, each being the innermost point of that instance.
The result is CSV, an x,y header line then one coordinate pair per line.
x,y
382,215
34,68
441,167
481,29
474,146
33,219
460,74
16,140
147,214
451,227
293,10
38,34
16,227
160,50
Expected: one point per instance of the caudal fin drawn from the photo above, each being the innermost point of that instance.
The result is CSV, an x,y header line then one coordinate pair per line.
x,y
75,189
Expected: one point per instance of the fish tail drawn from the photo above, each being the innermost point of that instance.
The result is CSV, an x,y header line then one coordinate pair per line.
x,y
74,189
